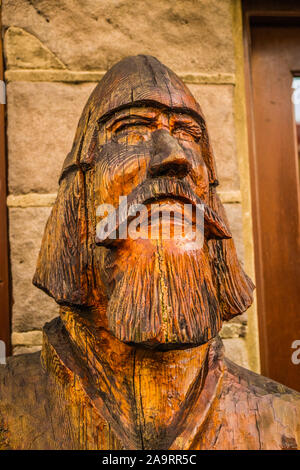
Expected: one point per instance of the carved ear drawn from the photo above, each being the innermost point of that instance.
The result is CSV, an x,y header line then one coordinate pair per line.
x,y
234,287
61,267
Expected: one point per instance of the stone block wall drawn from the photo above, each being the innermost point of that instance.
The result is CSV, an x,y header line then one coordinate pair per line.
x,y
55,52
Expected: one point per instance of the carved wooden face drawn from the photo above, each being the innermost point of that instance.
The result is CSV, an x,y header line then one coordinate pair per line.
x,y
147,142
153,291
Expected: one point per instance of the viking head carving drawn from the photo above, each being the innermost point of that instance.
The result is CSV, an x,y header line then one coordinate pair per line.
x,y
143,137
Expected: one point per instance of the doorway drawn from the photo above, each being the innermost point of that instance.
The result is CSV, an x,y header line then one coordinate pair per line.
x,y
273,56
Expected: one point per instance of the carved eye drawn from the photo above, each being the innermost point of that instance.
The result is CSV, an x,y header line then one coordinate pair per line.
x,y
186,132
130,125
132,132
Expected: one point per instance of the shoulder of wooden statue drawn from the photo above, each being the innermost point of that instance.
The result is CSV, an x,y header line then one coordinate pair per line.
x,y
262,404
31,415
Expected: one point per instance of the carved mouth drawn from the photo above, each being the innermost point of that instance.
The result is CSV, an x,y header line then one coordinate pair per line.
x,y
159,189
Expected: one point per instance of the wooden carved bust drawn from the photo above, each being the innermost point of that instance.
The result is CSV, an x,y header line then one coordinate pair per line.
x,y
134,361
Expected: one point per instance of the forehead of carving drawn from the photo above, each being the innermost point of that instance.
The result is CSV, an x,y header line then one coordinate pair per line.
x,y
140,79
135,81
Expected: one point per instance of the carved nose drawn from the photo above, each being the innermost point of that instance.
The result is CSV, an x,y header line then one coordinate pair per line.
x,y
167,158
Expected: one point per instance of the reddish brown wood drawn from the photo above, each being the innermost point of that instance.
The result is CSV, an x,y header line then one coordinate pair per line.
x,y
273,56
135,361
142,135
4,263
121,397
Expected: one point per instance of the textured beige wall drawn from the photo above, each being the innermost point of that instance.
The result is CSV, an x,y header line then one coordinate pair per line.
x,y
55,52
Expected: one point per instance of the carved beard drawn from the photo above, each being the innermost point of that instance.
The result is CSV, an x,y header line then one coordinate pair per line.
x,y
73,271
164,298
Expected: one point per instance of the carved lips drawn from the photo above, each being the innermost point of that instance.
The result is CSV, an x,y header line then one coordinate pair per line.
x,y
154,190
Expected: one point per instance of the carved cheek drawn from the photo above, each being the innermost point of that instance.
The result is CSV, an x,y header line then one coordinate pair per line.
x,y
198,173
200,178
130,173
119,171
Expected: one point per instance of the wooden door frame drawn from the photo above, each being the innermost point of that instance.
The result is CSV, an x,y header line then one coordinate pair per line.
x,y
275,13
5,284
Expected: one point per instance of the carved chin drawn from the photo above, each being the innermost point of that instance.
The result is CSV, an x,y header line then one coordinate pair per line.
x,y
162,296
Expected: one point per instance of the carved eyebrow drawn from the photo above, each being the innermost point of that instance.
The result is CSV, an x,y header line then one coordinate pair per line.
x,y
187,121
146,116
188,125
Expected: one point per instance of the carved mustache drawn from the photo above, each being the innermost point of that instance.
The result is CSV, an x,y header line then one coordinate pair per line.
x,y
153,190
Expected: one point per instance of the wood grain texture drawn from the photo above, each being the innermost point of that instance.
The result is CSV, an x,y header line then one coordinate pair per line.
x,y
75,402
135,361
142,135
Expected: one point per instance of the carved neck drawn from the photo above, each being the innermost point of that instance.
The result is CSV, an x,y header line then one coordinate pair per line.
x,y
149,396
